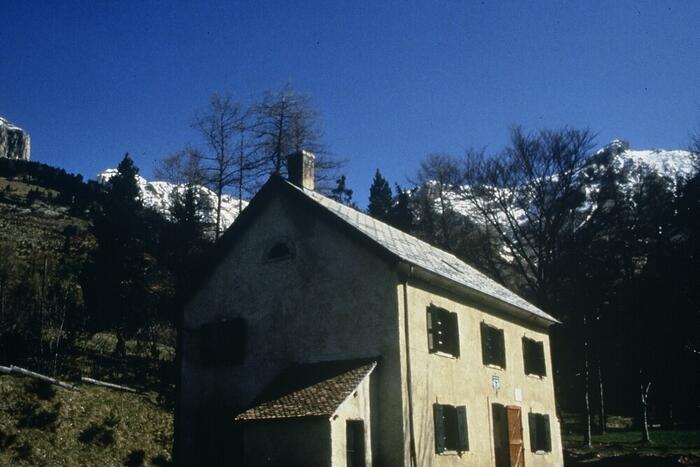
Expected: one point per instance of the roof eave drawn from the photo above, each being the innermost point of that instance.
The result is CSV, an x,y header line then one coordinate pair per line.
x,y
461,289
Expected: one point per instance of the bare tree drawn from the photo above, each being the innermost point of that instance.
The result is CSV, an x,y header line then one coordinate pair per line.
x,y
529,196
285,121
439,177
223,126
181,167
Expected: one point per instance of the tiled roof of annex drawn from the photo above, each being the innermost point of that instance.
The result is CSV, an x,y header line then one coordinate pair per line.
x,y
309,390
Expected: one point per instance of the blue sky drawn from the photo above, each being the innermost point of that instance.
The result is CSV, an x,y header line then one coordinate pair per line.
x,y
393,81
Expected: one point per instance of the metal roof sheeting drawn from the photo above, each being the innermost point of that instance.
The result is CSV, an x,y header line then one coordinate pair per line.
x,y
419,253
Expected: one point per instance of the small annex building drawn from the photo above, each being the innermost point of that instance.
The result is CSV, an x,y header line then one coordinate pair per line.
x,y
320,336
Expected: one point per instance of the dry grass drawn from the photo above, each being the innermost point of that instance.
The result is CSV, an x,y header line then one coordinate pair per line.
x,y
48,425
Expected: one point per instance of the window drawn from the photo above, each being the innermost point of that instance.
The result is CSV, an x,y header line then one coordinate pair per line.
x,y
443,331
223,343
279,251
540,436
493,348
451,431
533,356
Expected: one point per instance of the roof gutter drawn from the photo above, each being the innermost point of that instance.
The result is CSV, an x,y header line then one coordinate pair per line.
x,y
463,290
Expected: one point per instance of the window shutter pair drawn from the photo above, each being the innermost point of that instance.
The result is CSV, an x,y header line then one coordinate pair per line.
x,y
440,428
443,331
540,433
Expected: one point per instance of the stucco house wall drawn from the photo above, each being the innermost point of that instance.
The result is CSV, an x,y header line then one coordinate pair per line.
x,y
437,378
334,300
300,442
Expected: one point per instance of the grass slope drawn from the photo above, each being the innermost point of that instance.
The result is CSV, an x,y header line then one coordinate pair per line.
x,y
41,424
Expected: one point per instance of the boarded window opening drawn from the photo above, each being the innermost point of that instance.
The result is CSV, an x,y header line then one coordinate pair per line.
x,y
443,331
223,343
533,356
493,348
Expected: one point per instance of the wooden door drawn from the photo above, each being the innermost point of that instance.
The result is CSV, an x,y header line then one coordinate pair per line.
x,y
515,436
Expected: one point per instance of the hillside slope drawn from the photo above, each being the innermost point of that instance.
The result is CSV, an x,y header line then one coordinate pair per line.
x,y
42,424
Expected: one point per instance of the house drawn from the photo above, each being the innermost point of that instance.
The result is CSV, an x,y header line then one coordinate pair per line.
x,y
323,337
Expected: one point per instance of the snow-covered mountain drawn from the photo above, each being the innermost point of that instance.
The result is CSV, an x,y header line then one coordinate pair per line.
x,y
634,164
14,141
157,195
630,166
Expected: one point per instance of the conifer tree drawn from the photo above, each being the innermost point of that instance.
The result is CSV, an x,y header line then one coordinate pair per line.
x,y
401,215
117,290
341,193
380,198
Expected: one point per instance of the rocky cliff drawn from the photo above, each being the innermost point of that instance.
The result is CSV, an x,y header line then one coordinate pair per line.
x,y
14,142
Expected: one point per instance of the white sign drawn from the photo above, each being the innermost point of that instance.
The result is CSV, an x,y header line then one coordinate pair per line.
x,y
518,395
495,382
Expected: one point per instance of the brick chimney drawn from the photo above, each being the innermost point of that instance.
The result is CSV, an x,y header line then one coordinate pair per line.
x,y
300,166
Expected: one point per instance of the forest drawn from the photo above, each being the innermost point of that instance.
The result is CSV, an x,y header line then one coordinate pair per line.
x,y
612,253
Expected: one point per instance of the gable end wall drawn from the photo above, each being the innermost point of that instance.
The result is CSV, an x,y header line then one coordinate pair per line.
x,y
334,300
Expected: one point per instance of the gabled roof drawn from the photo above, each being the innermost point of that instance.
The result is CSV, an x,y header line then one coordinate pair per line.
x,y
419,253
309,390
435,263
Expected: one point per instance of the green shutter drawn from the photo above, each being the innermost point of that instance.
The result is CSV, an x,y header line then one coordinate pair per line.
x,y
484,343
501,348
439,422
541,359
431,329
454,334
532,424
547,434
525,356
462,428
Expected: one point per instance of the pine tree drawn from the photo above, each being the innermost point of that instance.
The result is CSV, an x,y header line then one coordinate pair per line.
x,y
380,198
341,193
185,241
116,283
401,215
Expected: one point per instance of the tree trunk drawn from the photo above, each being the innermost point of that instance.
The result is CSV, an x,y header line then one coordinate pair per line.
x,y
587,428
219,194
120,348
644,392
602,399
